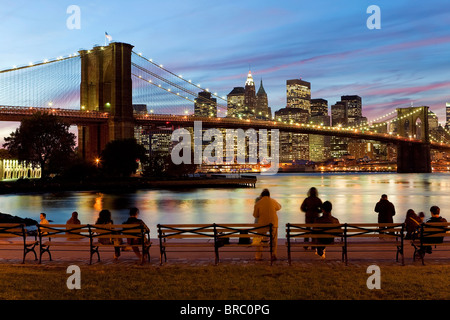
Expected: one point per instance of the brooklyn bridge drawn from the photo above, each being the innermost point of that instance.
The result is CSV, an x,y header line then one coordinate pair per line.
x,y
96,89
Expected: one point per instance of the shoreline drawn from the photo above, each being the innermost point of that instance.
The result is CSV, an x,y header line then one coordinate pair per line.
x,y
129,184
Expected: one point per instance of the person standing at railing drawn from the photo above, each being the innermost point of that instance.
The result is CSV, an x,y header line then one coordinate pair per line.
x,y
265,210
385,210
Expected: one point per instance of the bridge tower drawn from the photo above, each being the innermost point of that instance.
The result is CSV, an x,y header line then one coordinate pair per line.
x,y
413,157
106,86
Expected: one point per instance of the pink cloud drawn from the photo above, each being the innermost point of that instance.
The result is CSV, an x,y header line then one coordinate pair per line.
x,y
407,90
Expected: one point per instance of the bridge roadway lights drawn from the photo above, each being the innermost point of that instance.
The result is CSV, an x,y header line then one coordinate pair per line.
x,y
413,158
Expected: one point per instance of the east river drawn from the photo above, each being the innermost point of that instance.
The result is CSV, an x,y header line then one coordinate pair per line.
x,y
353,196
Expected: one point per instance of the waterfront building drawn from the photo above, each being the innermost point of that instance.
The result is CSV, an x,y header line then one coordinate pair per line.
x,y
361,149
293,146
12,169
205,105
319,145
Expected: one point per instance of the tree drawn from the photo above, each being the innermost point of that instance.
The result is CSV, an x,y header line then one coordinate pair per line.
x,y
44,140
120,157
160,165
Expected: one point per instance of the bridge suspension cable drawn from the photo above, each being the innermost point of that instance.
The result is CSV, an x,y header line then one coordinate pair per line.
x,y
167,80
51,83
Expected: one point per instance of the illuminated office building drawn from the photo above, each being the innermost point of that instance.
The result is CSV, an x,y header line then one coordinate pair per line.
x,y
235,102
293,146
204,105
447,115
298,93
262,104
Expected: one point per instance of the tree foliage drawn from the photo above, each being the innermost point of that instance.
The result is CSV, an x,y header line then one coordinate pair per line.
x,y
44,140
120,157
161,165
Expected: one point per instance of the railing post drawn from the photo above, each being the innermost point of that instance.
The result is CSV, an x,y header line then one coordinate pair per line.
x,y
216,247
345,244
160,244
271,242
288,239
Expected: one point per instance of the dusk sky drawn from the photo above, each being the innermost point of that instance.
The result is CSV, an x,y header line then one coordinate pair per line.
x,y
215,43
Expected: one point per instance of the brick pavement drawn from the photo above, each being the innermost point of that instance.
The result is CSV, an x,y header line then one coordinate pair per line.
x,y
308,258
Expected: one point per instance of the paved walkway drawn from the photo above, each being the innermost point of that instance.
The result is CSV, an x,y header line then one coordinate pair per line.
x,y
13,255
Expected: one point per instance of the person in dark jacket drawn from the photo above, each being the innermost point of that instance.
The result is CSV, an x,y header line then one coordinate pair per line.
x,y
385,210
133,219
435,217
311,206
325,218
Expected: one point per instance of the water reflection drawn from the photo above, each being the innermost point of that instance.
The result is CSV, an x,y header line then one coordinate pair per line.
x,y
353,197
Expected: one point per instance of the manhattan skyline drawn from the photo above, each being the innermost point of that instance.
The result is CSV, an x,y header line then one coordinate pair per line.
x,y
215,44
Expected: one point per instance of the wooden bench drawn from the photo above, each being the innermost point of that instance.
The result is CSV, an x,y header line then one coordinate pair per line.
x,y
201,237
120,236
426,237
244,237
375,237
15,234
366,236
93,237
62,235
296,234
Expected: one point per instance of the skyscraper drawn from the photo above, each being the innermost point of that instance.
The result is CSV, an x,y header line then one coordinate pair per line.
x,y
262,110
250,93
339,114
319,107
354,106
298,93
447,115
319,146
293,146
235,102
204,105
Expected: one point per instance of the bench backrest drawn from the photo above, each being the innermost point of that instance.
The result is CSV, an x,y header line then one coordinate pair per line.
x,y
434,231
88,231
117,231
393,231
68,231
211,231
11,230
315,230
242,231
186,231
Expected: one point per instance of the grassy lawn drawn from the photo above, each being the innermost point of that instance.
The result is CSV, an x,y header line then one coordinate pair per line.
x,y
224,282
